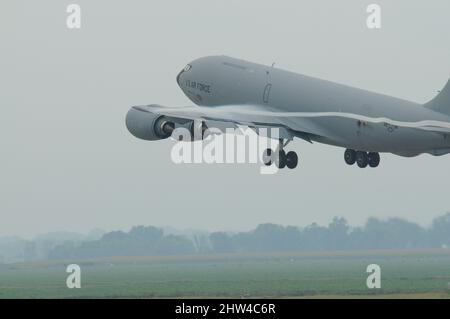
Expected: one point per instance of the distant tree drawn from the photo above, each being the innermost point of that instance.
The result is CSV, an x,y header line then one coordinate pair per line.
x,y
272,237
221,242
65,250
148,234
173,244
314,237
144,240
439,233
30,251
338,234
392,233
139,241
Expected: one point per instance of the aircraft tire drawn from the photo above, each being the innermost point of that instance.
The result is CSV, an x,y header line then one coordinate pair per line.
x,y
350,156
373,159
362,159
291,160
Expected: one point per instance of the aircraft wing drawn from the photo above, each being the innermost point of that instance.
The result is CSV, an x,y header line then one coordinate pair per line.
x,y
233,116
305,125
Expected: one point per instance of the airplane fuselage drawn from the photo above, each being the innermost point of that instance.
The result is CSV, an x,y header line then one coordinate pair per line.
x,y
351,117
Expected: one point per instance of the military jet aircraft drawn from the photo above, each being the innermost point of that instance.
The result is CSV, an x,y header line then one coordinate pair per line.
x,y
236,93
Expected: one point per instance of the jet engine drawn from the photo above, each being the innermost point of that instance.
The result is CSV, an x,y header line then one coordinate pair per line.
x,y
152,127
148,126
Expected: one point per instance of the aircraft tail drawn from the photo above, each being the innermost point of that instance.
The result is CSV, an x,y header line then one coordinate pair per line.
x,y
441,103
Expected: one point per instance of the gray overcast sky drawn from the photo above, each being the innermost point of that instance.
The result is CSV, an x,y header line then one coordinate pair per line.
x,y
68,162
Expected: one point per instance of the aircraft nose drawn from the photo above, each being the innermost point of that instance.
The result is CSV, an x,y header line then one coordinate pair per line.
x,y
179,78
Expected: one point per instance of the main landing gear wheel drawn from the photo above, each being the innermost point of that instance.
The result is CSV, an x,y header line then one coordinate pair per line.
x,y
373,159
362,159
350,156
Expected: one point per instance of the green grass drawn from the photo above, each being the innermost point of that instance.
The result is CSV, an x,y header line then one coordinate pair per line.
x,y
404,273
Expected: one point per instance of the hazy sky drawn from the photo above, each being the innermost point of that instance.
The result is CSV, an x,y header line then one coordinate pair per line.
x,y
68,162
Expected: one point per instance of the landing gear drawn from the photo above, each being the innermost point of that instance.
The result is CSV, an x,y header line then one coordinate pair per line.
x,y
362,159
350,157
373,159
280,158
291,160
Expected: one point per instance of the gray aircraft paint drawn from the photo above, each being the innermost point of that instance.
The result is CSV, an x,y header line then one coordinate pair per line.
x,y
233,90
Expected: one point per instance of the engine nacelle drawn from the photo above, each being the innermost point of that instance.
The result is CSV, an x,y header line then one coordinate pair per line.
x,y
148,126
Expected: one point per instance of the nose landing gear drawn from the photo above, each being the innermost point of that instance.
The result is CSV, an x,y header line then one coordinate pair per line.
x,y
362,159
291,160
280,157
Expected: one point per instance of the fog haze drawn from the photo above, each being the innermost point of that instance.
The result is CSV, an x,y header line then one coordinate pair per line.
x,y
68,162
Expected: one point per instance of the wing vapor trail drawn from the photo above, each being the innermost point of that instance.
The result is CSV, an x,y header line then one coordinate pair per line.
x,y
231,111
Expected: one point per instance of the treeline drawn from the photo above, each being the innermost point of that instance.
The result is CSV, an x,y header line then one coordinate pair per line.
x,y
16,249
139,241
392,233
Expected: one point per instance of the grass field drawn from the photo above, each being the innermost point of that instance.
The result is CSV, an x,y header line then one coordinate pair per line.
x,y
405,274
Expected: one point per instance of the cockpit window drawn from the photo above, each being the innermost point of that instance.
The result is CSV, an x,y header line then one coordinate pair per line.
x,y
187,67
